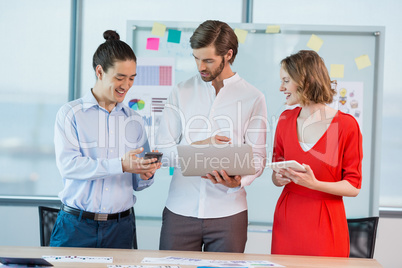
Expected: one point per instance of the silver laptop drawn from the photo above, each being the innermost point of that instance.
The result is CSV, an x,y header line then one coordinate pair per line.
x,y
198,160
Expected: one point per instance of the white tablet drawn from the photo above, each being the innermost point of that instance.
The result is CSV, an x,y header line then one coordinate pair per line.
x,y
199,160
276,166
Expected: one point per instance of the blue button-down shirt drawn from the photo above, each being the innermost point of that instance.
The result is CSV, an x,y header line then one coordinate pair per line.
x,y
89,143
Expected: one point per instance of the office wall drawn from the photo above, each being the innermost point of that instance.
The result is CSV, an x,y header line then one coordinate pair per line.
x,y
19,226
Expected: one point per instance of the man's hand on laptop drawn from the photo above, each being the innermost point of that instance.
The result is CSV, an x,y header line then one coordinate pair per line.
x,y
224,179
213,140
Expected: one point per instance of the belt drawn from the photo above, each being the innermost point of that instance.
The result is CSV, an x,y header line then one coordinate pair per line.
x,y
96,216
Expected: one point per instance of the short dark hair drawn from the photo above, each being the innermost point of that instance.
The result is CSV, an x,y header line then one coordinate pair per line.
x,y
112,50
308,71
216,33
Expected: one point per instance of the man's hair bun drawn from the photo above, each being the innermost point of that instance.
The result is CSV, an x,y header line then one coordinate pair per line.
x,y
110,35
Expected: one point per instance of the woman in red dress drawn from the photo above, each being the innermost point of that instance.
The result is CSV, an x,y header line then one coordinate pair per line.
x,y
310,216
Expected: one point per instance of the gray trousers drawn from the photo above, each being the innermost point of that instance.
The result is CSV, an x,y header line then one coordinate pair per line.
x,y
227,234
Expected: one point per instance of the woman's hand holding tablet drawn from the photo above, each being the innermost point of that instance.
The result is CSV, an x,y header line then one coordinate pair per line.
x,y
296,166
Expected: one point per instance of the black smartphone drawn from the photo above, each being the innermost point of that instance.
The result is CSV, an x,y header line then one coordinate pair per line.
x,y
150,155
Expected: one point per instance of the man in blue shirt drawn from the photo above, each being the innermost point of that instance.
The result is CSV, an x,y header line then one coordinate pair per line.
x,y
98,143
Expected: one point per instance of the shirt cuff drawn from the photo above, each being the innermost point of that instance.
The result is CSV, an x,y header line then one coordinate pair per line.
x,y
115,166
142,184
233,190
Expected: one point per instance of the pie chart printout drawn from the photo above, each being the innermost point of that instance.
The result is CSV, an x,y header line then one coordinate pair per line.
x,y
136,104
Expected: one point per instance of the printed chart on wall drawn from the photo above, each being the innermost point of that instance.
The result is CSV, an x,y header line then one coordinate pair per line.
x,y
152,86
349,99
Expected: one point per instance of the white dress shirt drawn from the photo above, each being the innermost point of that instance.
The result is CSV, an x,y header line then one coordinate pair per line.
x,y
89,143
194,112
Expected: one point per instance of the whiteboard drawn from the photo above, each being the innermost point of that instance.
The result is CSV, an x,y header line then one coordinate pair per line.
x,y
258,62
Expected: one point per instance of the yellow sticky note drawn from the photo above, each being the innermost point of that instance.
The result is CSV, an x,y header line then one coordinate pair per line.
x,y
362,62
337,70
273,29
315,43
158,29
241,35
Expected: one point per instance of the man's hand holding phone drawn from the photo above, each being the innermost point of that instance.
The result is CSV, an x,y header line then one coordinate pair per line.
x,y
146,168
154,155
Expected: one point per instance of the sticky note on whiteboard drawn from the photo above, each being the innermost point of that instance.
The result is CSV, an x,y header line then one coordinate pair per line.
x,y
153,43
174,36
158,29
273,29
241,35
315,43
337,70
362,62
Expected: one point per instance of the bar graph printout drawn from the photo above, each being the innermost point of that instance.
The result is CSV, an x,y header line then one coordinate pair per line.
x,y
152,86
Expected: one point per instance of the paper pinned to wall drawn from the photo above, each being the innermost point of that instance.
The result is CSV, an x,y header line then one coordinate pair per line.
x,y
349,99
152,86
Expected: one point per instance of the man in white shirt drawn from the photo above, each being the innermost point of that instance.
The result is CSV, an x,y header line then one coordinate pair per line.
x,y
215,106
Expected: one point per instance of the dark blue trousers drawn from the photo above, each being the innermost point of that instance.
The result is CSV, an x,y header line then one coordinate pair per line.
x,y
74,231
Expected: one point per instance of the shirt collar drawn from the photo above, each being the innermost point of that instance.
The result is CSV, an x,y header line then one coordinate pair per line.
x,y
90,101
233,79
121,106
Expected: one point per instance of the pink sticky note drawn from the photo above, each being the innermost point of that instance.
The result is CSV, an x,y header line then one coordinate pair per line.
x,y
153,43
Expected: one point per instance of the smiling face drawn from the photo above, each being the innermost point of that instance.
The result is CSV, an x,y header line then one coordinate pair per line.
x,y
288,87
208,63
113,85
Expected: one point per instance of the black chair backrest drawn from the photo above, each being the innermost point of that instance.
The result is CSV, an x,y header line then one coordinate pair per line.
x,y
47,219
362,234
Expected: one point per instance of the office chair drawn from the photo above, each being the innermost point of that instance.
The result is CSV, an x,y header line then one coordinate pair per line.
x,y
47,219
362,234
